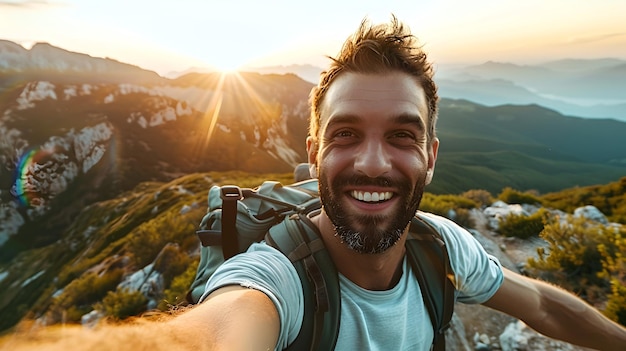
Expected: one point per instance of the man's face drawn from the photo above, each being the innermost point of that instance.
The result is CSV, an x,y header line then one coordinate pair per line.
x,y
372,157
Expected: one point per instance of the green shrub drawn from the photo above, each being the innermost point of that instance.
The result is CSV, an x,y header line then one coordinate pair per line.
x,y
79,295
512,196
522,226
587,258
171,262
454,207
481,197
176,294
442,204
122,303
616,307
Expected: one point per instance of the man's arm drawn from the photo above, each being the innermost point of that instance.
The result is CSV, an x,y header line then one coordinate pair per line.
x,y
556,313
232,318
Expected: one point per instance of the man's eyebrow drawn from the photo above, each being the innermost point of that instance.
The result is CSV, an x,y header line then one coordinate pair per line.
x,y
403,119
409,118
343,119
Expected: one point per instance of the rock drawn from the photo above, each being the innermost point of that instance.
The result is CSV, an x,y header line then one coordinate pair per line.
x,y
455,336
592,213
519,337
91,319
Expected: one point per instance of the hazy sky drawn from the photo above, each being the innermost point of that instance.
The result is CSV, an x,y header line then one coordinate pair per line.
x,y
174,35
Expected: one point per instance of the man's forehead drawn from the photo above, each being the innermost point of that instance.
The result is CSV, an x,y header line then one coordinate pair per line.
x,y
393,93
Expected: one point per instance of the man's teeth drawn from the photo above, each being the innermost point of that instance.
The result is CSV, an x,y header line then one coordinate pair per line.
x,y
371,197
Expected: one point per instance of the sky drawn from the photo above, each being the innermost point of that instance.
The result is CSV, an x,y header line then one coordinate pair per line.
x,y
174,35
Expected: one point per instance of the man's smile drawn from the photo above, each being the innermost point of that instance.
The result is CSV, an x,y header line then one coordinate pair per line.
x,y
367,196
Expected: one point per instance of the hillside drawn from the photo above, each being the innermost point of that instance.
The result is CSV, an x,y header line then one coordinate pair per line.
x,y
144,240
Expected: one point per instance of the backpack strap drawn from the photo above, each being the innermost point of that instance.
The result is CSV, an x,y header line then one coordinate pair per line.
x,y
298,238
429,260
230,242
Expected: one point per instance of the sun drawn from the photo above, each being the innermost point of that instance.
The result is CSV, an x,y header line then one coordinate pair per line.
x,y
227,66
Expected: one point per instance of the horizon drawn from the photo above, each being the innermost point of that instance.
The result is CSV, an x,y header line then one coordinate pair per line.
x,y
166,36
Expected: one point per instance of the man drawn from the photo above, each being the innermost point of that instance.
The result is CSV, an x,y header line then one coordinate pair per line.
x,y
373,146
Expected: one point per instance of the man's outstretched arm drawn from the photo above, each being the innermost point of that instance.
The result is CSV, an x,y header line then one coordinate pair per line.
x,y
556,313
232,318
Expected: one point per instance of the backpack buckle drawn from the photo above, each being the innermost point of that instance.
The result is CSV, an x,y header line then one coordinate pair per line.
x,y
231,192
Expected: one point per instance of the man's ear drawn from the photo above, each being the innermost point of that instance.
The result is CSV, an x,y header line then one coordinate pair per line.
x,y
432,159
312,149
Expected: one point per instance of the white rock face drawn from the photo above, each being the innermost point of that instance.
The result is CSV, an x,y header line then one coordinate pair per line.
x,y
500,209
148,281
10,221
518,337
592,213
88,144
35,91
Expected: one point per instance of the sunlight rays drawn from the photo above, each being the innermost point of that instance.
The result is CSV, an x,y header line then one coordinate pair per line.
x,y
233,101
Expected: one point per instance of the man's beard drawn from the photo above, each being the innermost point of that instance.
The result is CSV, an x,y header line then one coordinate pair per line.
x,y
372,239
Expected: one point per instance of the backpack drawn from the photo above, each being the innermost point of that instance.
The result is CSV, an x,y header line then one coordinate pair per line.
x,y
277,213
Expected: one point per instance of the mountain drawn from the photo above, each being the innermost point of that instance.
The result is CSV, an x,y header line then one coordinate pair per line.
x,y
78,132
309,73
524,147
590,88
43,60
585,88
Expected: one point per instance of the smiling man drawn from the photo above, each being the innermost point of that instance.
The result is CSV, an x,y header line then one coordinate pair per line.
x,y
372,145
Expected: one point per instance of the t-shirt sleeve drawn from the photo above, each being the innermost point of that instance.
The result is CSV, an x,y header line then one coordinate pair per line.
x,y
276,277
478,275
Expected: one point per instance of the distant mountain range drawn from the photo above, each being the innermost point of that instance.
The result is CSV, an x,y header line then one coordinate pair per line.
x,y
591,88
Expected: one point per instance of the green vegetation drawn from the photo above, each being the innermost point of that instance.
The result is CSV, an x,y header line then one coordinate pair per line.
x,y
121,304
80,294
523,226
155,224
455,207
586,258
610,199
512,196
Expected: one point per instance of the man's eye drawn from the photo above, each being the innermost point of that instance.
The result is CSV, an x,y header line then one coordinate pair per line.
x,y
344,134
404,135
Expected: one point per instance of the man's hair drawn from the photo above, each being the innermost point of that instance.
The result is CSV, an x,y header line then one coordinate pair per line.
x,y
378,49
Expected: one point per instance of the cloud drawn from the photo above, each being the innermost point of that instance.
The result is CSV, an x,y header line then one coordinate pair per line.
x,y
25,3
594,38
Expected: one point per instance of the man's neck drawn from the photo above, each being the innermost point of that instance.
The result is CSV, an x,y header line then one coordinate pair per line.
x,y
369,271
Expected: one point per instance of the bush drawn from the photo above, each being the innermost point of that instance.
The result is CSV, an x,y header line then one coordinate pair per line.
x,y
616,307
587,258
443,204
122,303
522,226
512,196
171,262
482,198
177,292
79,295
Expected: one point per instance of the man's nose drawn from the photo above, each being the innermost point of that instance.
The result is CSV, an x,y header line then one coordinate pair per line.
x,y
372,160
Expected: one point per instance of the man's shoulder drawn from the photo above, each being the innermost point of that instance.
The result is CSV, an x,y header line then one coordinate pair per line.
x,y
437,221
450,231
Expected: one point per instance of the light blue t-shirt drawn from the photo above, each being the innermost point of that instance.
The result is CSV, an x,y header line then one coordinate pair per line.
x,y
394,319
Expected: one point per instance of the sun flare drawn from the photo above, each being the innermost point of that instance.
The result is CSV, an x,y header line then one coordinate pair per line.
x,y
227,66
